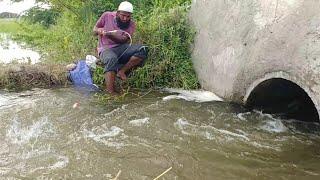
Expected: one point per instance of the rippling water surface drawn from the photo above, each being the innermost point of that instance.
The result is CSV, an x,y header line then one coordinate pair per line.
x,y
11,51
45,135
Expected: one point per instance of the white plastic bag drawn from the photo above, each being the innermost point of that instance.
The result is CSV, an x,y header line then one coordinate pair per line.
x,y
91,61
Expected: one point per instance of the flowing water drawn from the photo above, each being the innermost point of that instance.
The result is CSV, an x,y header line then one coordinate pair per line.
x,y
13,52
66,134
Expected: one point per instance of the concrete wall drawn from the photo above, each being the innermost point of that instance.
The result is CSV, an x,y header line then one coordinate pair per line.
x,y
240,43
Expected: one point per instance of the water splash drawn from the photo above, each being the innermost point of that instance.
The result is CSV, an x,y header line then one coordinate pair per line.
x,y
197,96
105,135
16,134
274,126
206,131
140,122
242,116
61,162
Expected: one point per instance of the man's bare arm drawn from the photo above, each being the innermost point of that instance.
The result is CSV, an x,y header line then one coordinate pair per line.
x,y
113,35
98,31
117,37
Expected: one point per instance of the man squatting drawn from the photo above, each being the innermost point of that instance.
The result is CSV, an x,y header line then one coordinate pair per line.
x,y
114,31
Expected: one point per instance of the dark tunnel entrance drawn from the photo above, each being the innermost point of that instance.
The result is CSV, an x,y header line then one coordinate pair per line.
x,y
283,98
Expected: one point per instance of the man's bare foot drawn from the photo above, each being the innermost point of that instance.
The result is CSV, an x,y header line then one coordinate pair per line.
x,y
122,75
112,93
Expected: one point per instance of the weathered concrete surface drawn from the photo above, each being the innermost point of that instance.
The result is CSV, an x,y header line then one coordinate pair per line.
x,y
240,43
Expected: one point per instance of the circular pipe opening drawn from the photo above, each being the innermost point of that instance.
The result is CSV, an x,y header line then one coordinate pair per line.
x,y
283,98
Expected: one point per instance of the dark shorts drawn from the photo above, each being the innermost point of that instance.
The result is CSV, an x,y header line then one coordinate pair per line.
x,y
115,58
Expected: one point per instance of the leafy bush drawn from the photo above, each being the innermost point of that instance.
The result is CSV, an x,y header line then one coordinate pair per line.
x,y
169,36
45,17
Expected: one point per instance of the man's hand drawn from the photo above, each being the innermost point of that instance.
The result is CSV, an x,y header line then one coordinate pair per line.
x,y
111,33
103,32
114,35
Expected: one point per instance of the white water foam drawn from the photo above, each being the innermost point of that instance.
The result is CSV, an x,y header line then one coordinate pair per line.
x,y
311,173
124,107
140,122
208,135
10,100
265,146
16,134
270,123
183,124
242,117
4,170
197,96
274,126
263,114
190,129
223,131
113,112
117,110
114,131
242,132
3,100
62,162
105,135
42,151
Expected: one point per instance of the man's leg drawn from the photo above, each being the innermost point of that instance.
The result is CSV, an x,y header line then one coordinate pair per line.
x,y
133,62
132,57
110,61
110,78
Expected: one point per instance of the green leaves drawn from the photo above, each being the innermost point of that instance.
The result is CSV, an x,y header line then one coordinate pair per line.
x,y
45,17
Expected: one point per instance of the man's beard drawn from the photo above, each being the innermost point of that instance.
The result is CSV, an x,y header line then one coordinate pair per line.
x,y
122,25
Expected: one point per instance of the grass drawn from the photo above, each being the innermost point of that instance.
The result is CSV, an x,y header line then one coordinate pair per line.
x,y
10,26
169,36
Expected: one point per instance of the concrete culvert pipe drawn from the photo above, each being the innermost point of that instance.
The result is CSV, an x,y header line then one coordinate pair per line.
x,y
247,51
283,98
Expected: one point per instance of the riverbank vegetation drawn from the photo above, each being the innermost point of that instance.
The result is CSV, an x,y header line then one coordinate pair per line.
x,y
64,33
14,77
9,26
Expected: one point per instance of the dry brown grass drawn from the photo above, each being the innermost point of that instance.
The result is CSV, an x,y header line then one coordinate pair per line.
x,y
21,77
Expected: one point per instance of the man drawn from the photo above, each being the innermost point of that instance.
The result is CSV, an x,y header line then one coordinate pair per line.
x,y
115,30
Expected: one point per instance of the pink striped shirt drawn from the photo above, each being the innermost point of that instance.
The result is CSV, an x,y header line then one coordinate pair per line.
x,y
108,22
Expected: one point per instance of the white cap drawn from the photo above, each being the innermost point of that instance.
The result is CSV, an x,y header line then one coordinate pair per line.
x,y
125,6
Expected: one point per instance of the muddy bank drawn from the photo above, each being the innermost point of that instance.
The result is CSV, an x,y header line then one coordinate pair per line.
x,y
21,77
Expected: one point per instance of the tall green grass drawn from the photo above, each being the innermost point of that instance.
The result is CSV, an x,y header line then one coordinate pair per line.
x,y
169,36
65,42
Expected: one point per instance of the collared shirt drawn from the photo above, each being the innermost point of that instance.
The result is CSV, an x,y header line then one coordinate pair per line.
x,y
109,23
